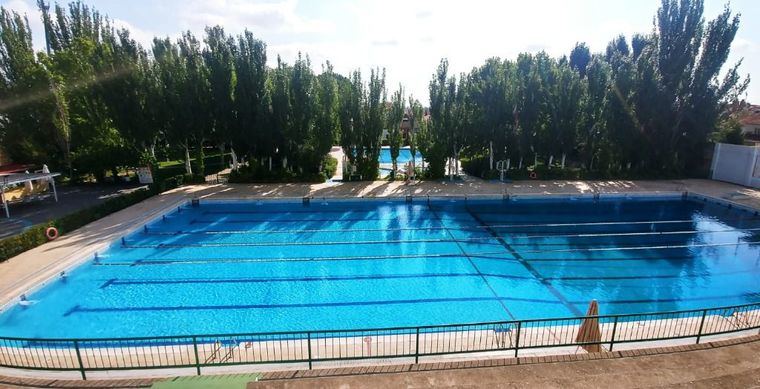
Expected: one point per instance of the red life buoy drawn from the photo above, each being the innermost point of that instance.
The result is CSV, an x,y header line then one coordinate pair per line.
x,y
533,175
51,233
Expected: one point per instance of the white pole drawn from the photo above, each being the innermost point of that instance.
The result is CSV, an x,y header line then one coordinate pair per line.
x,y
751,169
55,193
5,203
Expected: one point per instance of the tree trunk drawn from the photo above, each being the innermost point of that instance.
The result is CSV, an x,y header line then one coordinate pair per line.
x,y
521,163
456,164
221,156
188,167
270,163
563,160
535,160
551,160
490,155
201,160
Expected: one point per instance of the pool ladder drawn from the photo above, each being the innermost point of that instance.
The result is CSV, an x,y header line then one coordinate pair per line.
x,y
502,334
219,347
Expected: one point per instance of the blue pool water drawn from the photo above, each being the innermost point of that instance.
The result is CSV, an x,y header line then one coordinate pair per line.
x,y
249,267
404,155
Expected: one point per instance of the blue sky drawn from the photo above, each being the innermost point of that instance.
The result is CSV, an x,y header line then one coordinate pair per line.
x,y
410,37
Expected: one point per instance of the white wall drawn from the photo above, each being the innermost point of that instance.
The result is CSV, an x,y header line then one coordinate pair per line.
x,y
750,128
736,164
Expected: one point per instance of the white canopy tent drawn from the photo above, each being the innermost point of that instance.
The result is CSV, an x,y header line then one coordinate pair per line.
x,y
8,180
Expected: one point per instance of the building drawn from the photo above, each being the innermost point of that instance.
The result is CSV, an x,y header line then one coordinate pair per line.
x,y
749,117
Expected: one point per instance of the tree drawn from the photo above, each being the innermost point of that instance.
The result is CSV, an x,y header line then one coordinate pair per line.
x,y
729,131
352,107
373,123
27,105
565,106
126,93
492,106
302,106
280,122
171,75
580,57
416,116
327,121
219,59
395,117
252,130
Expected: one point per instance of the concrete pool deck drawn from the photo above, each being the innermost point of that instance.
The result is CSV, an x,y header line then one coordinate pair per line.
x,y
20,273
724,364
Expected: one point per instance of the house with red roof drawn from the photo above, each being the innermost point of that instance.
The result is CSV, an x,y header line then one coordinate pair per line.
x,y
749,117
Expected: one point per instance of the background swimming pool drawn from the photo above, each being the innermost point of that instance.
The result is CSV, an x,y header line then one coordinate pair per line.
x,y
404,156
250,267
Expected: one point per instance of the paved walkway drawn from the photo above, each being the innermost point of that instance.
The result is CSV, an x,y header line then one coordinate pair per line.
x,y
717,365
70,199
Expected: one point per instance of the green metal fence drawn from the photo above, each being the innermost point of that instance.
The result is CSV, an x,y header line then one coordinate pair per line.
x,y
89,355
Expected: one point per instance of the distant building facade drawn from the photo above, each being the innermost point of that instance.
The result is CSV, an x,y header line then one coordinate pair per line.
x,y
749,117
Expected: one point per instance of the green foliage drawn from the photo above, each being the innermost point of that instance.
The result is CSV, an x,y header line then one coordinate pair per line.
x,y
729,131
329,166
647,106
395,117
260,174
95,102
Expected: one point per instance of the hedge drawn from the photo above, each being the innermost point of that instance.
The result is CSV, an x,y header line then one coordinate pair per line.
x,y
35,235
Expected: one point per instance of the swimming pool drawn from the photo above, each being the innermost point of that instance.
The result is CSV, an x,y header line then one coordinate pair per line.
x,y
404,156
231,267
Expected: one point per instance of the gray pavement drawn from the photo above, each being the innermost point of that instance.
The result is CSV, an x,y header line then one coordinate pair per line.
x,y
70,199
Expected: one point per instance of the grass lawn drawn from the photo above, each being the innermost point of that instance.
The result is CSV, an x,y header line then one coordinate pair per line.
x,y
227,381
181,162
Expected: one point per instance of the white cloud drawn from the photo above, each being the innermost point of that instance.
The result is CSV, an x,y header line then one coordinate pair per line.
x,y
236,15
409,38
29,9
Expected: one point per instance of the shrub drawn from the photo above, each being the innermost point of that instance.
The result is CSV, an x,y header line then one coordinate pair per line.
x,y
194,179
259,174
329,166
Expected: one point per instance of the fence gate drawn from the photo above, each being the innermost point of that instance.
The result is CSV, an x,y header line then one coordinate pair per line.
x,y
736,164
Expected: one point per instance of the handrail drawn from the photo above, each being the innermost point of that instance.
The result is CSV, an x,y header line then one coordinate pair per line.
x,y
398,328
413,342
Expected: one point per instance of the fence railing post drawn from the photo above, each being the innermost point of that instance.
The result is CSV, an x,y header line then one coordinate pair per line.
x,y
417,346
308,345
197,360
614,330
701,325
517,338
79,360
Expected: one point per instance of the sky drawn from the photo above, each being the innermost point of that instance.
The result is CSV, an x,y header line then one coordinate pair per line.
x,y
409,37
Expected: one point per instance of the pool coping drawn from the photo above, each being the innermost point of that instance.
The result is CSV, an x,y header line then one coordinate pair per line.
x,y
77,258
73,260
